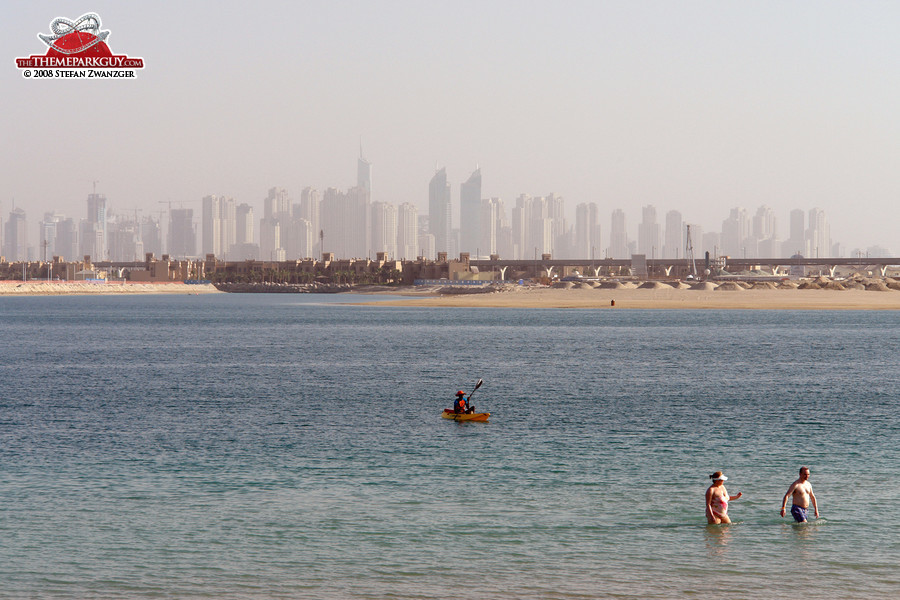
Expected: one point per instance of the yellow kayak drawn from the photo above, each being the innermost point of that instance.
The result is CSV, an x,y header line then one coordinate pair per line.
x,y
449,414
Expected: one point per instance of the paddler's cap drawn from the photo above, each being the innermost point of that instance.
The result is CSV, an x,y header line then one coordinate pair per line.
x,y
460,393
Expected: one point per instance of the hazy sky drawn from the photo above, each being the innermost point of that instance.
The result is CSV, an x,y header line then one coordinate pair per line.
x,y
696,106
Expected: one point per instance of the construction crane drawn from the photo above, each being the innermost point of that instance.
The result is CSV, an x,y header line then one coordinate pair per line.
x,y
689,252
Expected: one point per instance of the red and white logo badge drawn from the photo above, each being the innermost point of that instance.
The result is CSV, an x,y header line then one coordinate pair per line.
x,y
78,49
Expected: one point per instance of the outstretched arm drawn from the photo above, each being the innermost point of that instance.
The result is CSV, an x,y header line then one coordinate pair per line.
x,y
739,494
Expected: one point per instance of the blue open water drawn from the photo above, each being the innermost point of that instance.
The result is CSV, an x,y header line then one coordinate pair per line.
x,y
281,446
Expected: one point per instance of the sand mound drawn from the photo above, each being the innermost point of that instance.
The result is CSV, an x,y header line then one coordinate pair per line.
x,y
729,286
809,285
706,286
787,285
892,284
833,285
877,287
853,285
628,285
680,285
763,285
654,285
584,285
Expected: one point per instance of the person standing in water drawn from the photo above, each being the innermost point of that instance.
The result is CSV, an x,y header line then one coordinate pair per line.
x,y
717,500
801,491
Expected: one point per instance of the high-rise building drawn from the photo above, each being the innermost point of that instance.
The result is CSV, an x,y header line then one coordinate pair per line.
x,y
243,233
470,223
618,238
519,226
364,173
182,235
245,247
440,211
736,234
66,239
407,232
124,240
49,231
384,229
309,210
492,220
796,244
274,227
674,236
218,225
151,236
649,238
15,236
818,236
345,222
93,228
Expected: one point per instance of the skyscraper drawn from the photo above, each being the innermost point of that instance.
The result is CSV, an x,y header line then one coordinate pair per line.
x,y
345,222
93,228
15,238
182,235
470,223
492,222
384,229
649,233
735,231
274,227
364,173
218,225
618,238
440,210
818,235
407,232
674,244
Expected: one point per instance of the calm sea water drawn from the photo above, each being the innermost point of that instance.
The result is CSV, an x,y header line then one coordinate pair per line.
x,y
279,446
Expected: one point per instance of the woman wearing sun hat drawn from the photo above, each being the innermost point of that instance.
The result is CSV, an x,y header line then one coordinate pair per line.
x,y
717,499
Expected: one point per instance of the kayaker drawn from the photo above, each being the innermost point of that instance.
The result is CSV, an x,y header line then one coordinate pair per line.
x,y
461,404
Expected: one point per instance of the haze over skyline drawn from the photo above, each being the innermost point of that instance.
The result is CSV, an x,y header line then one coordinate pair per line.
x,y
697,107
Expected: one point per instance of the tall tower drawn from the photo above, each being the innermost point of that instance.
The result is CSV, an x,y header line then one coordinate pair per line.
x,y
648,233
818,236
618,239
15,237
470,224
407,231
439,210
218,225
93,228
182,235
364,173
675,242
384,228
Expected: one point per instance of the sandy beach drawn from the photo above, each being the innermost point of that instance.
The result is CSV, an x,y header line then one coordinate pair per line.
x,y
75,288
754,299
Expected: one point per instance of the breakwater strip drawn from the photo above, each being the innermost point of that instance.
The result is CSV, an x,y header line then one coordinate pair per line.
x,y
77,288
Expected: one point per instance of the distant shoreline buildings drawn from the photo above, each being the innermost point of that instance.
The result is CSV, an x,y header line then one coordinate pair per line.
x,y
349,224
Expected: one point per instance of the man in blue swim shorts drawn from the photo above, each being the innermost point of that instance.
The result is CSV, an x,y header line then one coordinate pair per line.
x,y
802,494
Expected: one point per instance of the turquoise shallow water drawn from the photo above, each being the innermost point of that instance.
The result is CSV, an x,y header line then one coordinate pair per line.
x,y
276,446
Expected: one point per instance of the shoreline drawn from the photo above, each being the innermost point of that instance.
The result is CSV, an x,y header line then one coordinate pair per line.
x,y
91,288
650,299
660,297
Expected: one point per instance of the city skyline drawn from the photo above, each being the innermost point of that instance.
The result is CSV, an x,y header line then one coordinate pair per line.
x,y
695,107
292,228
